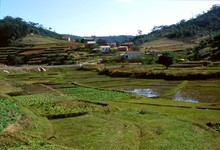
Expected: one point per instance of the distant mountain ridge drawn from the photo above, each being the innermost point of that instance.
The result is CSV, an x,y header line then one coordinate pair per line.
x,y
110,39
119,38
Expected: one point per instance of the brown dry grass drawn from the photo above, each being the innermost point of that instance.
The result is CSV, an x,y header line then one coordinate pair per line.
x,y
21,123
166,44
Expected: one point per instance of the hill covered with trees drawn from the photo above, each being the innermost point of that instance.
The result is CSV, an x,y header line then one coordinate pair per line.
x,y
198,38
16,28
206,24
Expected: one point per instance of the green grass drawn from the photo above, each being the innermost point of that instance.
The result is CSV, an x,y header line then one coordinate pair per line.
x,y
93,94
39,40
53,104
166,44
113,119
134,127
98,132
175,89
8,113
160,131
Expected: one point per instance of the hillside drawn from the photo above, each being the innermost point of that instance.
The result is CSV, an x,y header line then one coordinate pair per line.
x,y
16,28
36,49
31,43
165,44
197,37
206,24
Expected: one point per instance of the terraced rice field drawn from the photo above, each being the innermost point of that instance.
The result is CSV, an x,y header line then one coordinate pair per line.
x,y
68,109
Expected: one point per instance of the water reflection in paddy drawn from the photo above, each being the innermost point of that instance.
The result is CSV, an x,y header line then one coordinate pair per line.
x,y
207,91
145,92
176,97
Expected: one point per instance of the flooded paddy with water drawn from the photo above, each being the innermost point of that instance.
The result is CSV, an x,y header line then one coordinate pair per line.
x,y
206,91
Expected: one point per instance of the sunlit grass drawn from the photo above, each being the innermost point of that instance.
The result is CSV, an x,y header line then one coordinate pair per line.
x,y
117,119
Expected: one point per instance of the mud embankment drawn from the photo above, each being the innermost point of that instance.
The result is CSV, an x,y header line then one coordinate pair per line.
x,y
160,75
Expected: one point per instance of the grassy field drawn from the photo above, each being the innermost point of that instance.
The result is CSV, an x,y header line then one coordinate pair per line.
x,y
179,71
68,109
167,44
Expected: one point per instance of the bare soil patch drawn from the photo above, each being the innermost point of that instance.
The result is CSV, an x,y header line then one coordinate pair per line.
x,y
35,89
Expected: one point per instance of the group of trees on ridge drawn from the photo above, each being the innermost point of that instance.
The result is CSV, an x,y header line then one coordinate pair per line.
x,y
12,29
15,28
204,24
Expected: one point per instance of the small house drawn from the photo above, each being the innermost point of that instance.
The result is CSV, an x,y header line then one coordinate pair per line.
x,y
105,49
130,45
154,51
66,38
123,48
89,42
113,45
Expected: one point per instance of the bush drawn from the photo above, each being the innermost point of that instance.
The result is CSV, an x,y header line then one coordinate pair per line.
x,y
167,59
14,60
149,59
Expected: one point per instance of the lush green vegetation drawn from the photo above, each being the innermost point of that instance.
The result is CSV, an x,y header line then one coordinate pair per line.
x,y
15,28
204,24
68,109
184,37
8,113
93,94
181,71
82,108
166,59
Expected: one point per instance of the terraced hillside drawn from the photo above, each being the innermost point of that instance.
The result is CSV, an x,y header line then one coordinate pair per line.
x,y
39,50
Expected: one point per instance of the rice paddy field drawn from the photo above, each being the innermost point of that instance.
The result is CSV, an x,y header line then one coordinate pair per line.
x,y
65,108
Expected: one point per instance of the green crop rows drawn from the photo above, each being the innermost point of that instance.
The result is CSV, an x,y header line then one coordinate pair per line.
x,y
8,113
93,94
74,100
38,100
55,104
46,103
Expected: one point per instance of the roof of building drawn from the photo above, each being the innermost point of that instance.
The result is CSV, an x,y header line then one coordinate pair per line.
x,y
104,46
88,38
91,42
133,52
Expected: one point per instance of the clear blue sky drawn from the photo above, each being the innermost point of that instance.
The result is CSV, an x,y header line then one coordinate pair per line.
x,y
104,17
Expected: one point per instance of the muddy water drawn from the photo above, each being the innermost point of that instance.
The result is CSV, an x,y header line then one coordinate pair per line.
x,y
207,91
201,91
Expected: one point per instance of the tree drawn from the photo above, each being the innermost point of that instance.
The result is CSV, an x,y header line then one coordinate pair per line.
x,y
166,59
216,42
14,60
102,42
140,32
13,29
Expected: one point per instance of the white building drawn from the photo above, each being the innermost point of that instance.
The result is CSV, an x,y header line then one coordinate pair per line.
x,y
105,49
132,55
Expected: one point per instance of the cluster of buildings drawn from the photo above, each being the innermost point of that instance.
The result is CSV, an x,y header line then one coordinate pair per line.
x,y
105,47
126,48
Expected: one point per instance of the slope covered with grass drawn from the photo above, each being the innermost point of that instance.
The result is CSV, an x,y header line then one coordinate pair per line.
x,y
57,113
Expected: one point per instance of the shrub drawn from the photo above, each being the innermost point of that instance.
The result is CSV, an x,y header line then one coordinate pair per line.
x,y
167,59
